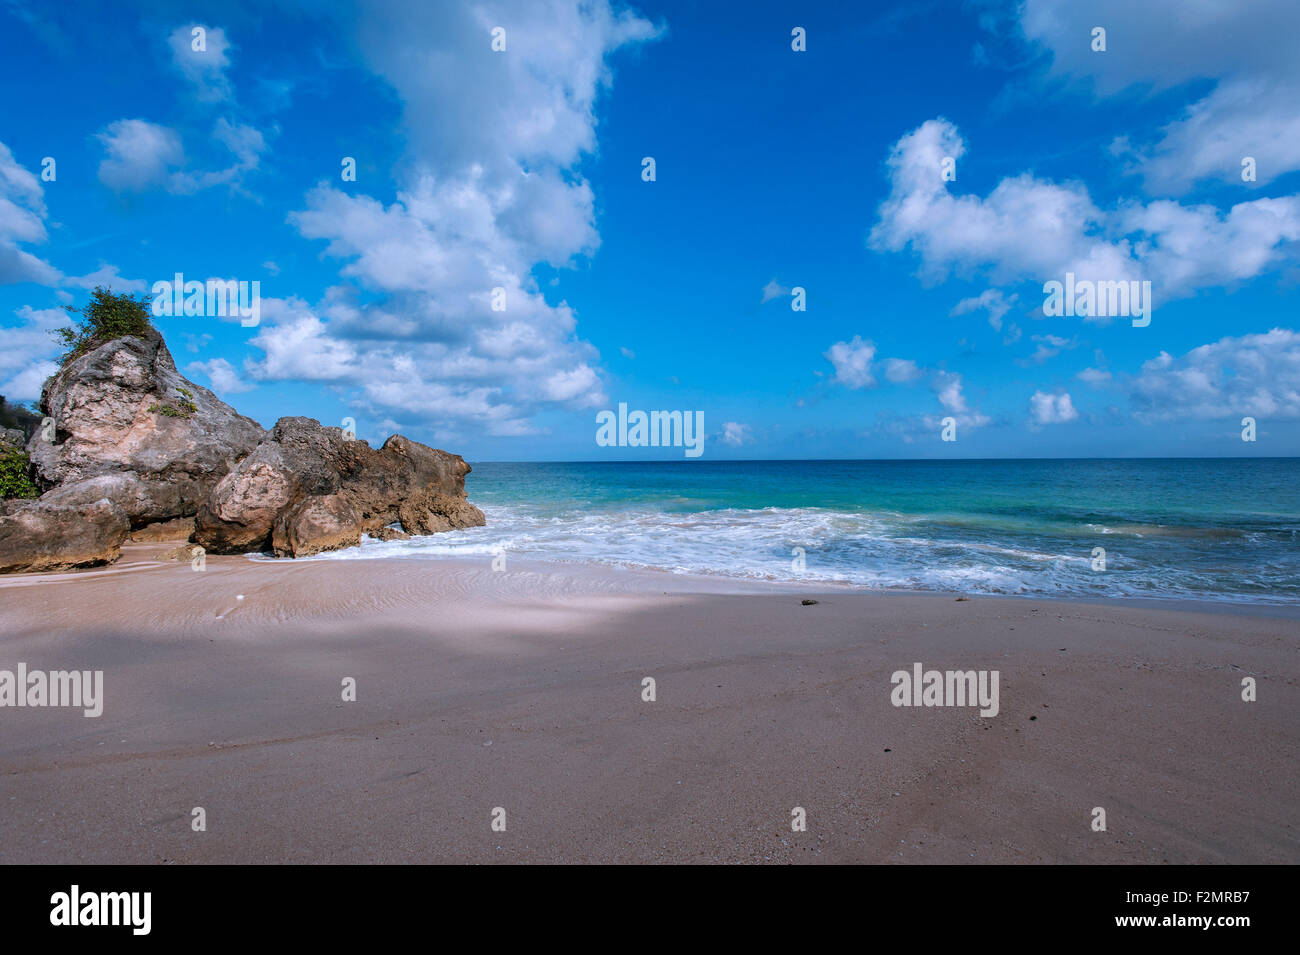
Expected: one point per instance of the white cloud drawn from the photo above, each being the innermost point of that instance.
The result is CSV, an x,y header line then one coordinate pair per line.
x,y
27,357
220,374
1247,48
140,155
1256,375
1049,346
22,220
206,68
1094,376
902,371
489,188
1051,409
1030,229
296,346
948,388
993,301
852,361
627,352
735,434
772,290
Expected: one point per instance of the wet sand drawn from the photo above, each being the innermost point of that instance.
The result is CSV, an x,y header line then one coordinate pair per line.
x,y
523,690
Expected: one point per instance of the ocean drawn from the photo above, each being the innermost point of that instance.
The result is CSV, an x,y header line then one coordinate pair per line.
x,y
1203,529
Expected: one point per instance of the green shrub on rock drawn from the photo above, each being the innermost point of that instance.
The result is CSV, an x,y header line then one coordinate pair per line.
x,y
15,474
108,316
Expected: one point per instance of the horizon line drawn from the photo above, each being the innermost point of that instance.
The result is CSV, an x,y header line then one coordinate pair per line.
x,y
695,461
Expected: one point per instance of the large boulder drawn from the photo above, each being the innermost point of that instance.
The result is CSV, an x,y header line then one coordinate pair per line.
x,y
130,428
308,488
35,535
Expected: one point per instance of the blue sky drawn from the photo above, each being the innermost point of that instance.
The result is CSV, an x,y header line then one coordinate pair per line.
x,y
775,169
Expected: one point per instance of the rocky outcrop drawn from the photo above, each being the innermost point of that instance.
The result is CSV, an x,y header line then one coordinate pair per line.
x,y
139,449
130,428
37,535
308,488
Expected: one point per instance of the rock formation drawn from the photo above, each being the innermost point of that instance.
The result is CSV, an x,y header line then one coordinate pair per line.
x,y
137,448
130,428
35,535
306,489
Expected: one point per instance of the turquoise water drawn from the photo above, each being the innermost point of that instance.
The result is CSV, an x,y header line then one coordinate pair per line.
x,y
1223,529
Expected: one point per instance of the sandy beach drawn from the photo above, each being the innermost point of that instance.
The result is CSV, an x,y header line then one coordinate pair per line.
x,y
523,690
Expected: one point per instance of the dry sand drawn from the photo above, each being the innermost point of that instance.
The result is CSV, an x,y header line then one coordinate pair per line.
x,y
522,690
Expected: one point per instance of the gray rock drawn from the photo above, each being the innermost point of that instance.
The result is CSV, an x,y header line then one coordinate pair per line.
x,y
148,438
307,488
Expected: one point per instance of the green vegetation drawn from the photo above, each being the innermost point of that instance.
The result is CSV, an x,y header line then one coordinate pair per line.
x,y
186,409
108,316
15,474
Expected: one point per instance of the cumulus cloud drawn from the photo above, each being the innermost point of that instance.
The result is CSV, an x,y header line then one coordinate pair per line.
x,y
220,374
902,371
855,365
993,301
1047,408
28,356
1257,375
1094,376
948,389
439,317
139,155
22,221
204,68
1031,229
1247,49
735,434
852,361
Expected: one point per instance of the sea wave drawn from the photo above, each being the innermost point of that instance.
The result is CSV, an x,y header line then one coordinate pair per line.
x,y
869,549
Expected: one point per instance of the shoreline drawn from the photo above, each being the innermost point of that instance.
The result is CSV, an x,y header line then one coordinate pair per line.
x,y
139,557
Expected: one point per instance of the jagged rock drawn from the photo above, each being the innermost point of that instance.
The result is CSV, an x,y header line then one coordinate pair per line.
x,y
177,529
316,524
307,488
11,438
137,445
141,433
389,534
39,536
432,512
